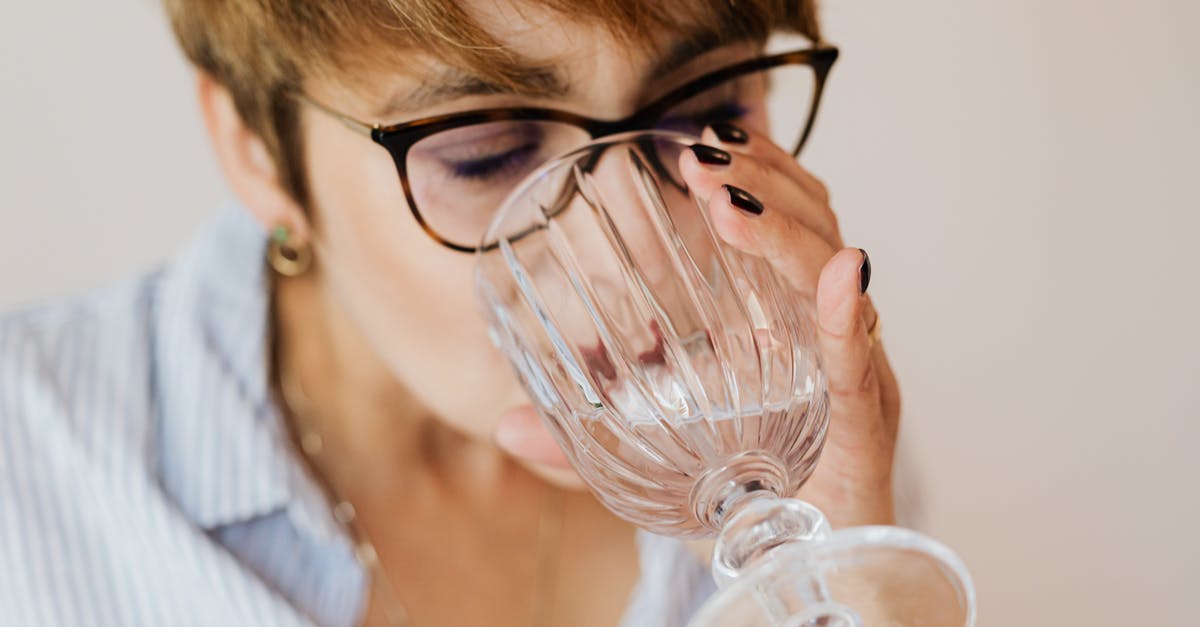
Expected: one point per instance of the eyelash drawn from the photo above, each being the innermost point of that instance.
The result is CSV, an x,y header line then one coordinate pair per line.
x,y
476,169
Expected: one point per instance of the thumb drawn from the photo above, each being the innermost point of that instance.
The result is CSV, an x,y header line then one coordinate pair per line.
x,y
856,414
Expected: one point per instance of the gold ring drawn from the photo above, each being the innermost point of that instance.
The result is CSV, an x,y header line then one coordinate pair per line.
x,y
874,331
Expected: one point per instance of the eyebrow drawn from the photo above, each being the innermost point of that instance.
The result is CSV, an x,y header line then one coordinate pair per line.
x,y
537,81
685,50
451,84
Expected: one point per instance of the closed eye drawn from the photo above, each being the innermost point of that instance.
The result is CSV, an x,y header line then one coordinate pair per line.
x,y
493,165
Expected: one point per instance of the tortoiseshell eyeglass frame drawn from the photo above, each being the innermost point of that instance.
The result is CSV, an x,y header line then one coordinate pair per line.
x,y
398,139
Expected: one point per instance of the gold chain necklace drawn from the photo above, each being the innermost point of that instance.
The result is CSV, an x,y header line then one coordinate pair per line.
x,y
295,403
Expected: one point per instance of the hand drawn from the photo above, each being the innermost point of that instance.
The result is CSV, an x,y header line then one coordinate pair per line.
x,y
797,232
765,204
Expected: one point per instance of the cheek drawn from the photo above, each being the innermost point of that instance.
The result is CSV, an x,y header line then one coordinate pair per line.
x,y
411,298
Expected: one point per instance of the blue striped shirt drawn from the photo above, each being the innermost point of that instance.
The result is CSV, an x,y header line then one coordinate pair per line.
x,y
146,477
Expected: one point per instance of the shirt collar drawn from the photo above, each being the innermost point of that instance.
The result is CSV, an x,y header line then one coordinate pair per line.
x,y
224,454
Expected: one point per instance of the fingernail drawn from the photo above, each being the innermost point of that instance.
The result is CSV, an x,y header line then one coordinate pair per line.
x,y
864,273
743,200
729,133
711,156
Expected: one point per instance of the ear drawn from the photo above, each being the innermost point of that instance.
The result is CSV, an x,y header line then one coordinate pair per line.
x,y
246,162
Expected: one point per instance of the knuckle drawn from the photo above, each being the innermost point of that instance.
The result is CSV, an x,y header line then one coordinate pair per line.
x,y
755,170
784,240
821,190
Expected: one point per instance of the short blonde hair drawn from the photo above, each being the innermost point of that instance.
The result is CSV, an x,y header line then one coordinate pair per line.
x,y
262,51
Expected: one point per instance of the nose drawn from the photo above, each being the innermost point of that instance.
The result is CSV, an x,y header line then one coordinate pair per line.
x,y
641,212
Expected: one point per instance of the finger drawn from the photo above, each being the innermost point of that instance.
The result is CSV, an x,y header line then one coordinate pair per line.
x,y
706,169
749,141
858,422
794,250
744,141
520,433
889,388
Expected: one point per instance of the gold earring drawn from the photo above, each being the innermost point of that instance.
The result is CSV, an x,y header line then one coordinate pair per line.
x,y
287,259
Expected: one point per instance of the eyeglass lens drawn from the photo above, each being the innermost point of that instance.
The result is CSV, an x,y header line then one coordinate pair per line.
x,y
459,177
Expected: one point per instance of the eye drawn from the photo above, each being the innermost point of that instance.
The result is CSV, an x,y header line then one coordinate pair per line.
x,y
495,164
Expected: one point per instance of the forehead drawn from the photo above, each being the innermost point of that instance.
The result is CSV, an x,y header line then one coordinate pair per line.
x,y
532,49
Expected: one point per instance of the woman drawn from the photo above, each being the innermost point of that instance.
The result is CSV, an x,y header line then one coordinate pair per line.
x,y
301,419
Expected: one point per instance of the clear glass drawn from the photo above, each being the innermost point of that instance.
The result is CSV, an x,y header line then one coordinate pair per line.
x,y
675,370
679,375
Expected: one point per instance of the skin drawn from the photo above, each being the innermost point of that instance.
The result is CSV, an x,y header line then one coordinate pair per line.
x,y
383,336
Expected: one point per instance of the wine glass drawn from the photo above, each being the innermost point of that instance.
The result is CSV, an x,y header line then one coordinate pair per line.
x,y
681,378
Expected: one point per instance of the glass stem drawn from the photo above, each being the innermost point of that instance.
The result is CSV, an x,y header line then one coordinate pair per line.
x,y
755,523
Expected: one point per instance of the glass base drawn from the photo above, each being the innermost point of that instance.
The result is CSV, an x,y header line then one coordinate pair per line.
x,y
857,577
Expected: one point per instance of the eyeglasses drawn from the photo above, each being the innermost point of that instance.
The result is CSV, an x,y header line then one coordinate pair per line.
x,y
457,168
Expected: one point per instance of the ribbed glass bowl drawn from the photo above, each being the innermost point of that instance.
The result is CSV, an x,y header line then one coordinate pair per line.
x,y
677,373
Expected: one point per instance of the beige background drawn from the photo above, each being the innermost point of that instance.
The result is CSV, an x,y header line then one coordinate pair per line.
x,y
1024,174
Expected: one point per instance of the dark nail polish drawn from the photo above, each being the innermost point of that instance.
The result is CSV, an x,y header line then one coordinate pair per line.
x,y
711,156
729,133
864,273
743,200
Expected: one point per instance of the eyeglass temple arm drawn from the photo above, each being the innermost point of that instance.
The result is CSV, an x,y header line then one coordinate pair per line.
x,y
362,128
